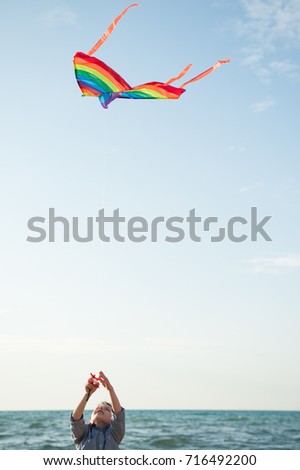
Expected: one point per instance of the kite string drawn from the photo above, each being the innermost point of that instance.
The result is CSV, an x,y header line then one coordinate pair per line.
x,y
110,29
103,207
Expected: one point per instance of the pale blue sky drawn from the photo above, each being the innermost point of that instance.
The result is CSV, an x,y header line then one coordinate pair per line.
x,y
174,325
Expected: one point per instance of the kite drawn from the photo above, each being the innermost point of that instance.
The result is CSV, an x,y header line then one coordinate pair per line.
x,y
97,79
94,381
95,378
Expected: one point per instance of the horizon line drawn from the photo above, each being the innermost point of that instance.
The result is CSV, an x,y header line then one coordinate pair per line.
x,y
163,409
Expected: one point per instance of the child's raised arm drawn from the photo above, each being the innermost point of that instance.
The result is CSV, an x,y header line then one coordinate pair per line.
x,y
113,396
90,388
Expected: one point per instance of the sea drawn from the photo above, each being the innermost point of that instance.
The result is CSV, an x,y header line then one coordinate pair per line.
x,y
161,430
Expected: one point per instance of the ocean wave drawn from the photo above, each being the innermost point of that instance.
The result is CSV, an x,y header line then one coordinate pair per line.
x,y
161,430
37,425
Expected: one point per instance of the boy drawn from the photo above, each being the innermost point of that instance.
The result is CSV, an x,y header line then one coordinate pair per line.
x,y
106,428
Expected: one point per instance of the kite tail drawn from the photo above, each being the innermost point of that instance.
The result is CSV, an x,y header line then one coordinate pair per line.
x,y
110,29
184,71
206,72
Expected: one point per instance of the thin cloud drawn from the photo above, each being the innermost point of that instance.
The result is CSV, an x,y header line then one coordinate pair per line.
x,y
252,57
58,16
285,68
262,106
274,264
236,148
271,21
270,26
248,189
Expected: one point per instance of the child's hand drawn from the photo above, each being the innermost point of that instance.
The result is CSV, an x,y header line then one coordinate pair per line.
x,y
91,386
104,381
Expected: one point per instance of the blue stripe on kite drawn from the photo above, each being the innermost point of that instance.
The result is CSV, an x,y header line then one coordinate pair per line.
x,y
88,78
90,87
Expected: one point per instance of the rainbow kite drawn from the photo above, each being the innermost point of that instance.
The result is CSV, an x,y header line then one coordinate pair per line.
x,y
95,78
